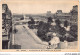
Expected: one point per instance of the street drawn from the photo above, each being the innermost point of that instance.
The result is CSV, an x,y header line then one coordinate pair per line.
x,y
23,38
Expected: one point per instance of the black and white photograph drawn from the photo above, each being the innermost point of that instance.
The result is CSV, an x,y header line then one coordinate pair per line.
x,y
40,24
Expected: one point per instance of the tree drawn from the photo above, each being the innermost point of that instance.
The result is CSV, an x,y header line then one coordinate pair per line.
x,y
66,23
74,30
50,20
58,22
43,29
22,18
62,31
32,20
30,23
15,30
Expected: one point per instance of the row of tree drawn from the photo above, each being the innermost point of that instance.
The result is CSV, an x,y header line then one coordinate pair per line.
x,y
44,28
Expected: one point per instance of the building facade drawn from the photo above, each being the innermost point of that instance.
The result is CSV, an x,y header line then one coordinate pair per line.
x,y
6,27
71,17
62,16
74,14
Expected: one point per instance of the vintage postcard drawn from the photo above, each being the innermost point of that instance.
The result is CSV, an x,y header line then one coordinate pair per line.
x,y
39,26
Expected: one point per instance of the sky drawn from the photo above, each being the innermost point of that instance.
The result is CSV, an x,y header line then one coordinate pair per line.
x,y
39,6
